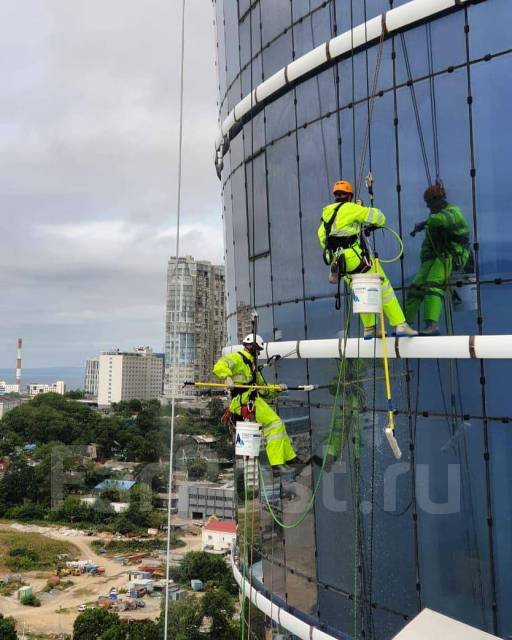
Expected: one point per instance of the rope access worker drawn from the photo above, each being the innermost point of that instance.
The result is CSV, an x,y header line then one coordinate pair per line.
x,y
340,235
445,247
248,404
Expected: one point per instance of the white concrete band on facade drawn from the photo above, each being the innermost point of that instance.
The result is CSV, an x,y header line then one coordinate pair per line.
x,y
279,615
422,347
368,32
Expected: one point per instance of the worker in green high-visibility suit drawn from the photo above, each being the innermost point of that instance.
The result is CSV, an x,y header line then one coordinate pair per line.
x,y
242,367
339,236
445,247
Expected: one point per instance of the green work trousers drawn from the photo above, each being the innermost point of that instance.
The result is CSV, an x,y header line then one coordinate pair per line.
x,y
277,443
392,309
428,287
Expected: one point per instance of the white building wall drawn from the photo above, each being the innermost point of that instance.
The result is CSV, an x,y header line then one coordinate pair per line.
x,y
217,540
110,378
9,388
57,387
129,376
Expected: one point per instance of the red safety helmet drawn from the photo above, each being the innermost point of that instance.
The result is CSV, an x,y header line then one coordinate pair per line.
x,y
436,191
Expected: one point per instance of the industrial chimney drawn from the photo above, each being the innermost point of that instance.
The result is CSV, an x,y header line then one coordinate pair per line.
x,y
18,363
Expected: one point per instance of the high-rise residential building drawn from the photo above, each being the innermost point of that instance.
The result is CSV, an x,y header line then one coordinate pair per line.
x,y
244,320
57,387
196,289
312,92
129,375
92,370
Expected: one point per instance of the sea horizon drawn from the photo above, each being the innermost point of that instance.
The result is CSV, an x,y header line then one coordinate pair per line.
x,y
72,376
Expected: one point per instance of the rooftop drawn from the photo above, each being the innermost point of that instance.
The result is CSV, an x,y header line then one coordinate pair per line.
x,y
205,439
221,526
111,483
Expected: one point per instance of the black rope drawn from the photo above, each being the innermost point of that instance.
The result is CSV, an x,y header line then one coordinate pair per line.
x,y
433,104
354,154
486,453
336,78
410,83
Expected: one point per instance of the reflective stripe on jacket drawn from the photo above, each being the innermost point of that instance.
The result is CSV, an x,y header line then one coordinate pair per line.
x,y
349,220
234,366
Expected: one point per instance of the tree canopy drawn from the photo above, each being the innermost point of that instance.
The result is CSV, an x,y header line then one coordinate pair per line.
x,y
7,628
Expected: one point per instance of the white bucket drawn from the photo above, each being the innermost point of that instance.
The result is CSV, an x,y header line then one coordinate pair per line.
x,y
248,439
366,292
464,298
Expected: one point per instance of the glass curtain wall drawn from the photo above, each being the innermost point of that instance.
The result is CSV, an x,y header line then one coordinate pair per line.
x,y
365,560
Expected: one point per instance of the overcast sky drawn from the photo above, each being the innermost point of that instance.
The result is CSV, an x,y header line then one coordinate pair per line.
x,y
88,152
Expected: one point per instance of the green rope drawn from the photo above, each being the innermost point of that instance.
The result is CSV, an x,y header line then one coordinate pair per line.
x,y
400,246
357,498
339,385
244,563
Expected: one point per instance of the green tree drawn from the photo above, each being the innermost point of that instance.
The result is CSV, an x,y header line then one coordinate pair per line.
x,y
205,567
75,394
7,628
197,469
141,505
219,606
133,630
17,484
184,620
216,409
91,624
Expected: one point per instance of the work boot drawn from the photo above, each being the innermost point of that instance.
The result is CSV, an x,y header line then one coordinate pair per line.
x,y
334,273
297,465
431,329
372,332
403,330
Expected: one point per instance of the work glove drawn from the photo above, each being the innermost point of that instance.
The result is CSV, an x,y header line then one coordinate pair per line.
x,y
370,229
420,226
229,383
282,387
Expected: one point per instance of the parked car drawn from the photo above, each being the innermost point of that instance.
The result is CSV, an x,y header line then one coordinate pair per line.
x,y
141,603
82,608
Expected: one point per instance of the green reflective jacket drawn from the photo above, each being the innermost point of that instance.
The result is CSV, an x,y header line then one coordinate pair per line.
x,y
446,232
349,220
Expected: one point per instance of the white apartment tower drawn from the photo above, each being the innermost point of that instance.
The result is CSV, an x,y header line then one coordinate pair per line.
x,y
92,370
134,375
196,288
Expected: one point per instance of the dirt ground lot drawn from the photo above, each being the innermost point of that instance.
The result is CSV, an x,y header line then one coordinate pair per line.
x,y
57,613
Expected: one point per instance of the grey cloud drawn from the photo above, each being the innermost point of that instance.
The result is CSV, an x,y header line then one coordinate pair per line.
x,y
88,131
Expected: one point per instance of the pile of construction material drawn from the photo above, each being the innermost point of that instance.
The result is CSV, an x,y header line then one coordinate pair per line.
x,y
78,567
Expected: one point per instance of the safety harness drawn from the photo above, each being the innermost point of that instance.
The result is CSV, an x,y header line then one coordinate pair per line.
x,y
334,257
247,410
336,246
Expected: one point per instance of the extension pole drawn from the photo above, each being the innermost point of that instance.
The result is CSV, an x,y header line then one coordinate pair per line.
x,y
390,429
259,387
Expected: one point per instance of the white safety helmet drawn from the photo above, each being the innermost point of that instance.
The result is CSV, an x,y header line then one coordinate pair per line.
x,y
253,339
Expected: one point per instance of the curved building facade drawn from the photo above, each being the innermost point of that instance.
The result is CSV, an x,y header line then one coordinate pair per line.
x,y
384,539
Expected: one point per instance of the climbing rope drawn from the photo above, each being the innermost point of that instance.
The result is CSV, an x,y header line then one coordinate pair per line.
x,y
400,246
410,83
339,385
433,105
174,332
245,555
